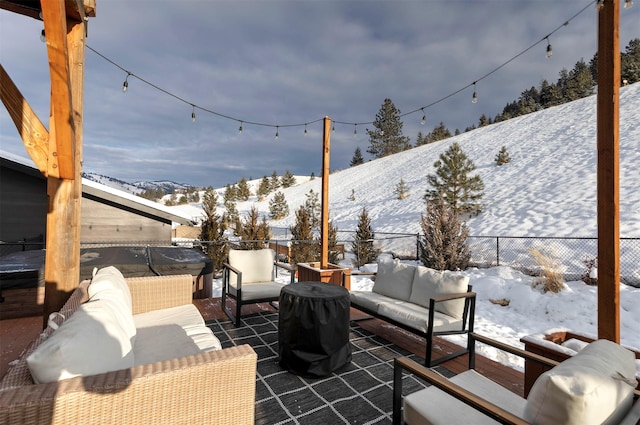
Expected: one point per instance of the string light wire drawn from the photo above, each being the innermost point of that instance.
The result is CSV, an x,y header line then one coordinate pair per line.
x,y
355,131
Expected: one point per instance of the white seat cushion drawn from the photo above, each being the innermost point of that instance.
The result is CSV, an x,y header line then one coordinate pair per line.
x,y
258,290
433,406
593,387
89,342
394,279
417,317
369,300
171,333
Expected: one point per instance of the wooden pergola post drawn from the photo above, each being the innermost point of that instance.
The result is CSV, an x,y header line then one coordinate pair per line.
x,y
608,135
324,216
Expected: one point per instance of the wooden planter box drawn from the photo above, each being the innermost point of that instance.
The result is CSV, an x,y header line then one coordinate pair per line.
x,y
311,272
549,345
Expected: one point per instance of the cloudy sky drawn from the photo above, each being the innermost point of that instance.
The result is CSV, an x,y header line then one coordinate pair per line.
x,y
286,63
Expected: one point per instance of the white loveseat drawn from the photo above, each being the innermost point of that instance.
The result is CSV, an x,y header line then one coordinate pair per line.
x,y
134,351
424,301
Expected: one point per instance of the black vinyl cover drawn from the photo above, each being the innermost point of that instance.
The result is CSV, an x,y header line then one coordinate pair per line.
x,y
313,328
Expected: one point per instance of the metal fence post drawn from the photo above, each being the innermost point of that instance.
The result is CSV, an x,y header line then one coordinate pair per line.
x,y
498,250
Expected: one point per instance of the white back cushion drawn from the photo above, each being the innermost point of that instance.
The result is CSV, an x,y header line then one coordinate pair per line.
x,y
593,387
255,265
109,285
429,283
89,342
394,279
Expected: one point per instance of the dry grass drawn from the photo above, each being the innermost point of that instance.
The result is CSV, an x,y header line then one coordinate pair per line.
x,y
502,301
550,277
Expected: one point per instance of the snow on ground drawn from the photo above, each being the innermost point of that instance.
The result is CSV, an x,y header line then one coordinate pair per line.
x,y
548,189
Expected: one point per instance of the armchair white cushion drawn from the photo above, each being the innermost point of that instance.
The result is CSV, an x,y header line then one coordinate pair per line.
x,y
394,279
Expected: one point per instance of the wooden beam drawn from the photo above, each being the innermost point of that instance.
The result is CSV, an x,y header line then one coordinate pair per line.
x,y
62,263
324,219
62,146
608,135
33,133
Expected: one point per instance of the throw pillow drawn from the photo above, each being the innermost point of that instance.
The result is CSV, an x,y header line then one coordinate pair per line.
x,y
429,283
394,279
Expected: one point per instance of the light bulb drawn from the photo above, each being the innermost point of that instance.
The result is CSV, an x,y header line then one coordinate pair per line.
x,y
43,37
125,85
424,117
549,49
277,135
628,4
305,129
193,117
474,98
355,129
240,128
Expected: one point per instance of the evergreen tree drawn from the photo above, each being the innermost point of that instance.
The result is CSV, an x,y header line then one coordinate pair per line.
x,y
212,230
362,244
630,62
421,139
357,157
402,190
312,176
503,156
275,182
579,83
278,207
304,248
312,205
483,121
386,138
550,95
264,188
232,215
243,192
333,255
253,233
287,179
230,194
444,244
452,180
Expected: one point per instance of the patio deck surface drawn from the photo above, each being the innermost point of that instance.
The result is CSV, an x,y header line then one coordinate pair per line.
x,y
16,334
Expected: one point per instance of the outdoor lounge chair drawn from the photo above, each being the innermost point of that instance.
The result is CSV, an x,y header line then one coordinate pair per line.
x,y
596,386
249,278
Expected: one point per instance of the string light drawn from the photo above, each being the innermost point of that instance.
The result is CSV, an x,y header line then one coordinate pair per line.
x,y
599,4
549,48
305,129
125,85
628,4
424,117
193,114
43,37
333,127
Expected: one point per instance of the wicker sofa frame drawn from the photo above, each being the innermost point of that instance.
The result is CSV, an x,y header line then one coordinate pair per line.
x,y
210,387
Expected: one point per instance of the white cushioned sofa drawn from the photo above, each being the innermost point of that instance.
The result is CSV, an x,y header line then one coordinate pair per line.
x,y
424,301
596,386
130,350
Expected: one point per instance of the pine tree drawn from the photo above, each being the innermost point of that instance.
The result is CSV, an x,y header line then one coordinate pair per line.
x,y
264,188
630,62
304,248
440,132
312,205
357,158
503,156
230,193
232,214
452,180
362,244
252,232
333,257
444,244
243,192
402,190
386,138
421,139
278,207
287,179
312,176
212,230
275,182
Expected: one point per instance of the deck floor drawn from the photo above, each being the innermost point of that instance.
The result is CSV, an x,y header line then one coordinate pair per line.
x,y
16,334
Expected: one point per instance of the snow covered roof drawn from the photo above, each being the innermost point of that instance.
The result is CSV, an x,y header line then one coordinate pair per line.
x,y
100,191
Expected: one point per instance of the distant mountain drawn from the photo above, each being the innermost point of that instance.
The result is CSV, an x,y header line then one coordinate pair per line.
x,y
136,187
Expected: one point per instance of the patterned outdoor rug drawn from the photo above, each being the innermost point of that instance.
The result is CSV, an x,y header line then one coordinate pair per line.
x,y
358,393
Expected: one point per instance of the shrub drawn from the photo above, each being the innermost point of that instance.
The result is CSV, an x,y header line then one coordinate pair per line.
x,y
590,275
550,276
